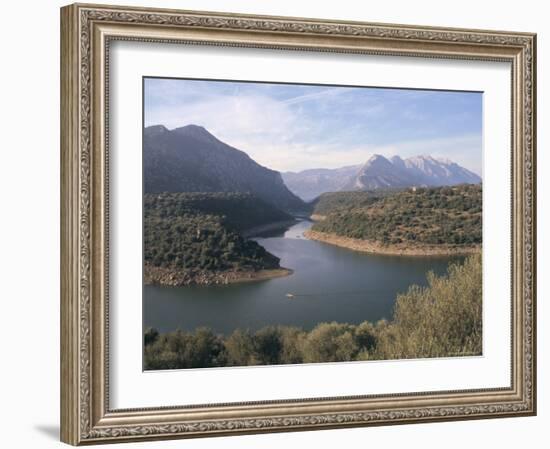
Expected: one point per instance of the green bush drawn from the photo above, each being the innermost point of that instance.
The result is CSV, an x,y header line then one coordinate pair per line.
x,y
240,350
330,342
150,336
201,349
442,319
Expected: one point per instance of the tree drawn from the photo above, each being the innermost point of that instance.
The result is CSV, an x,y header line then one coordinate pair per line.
x,y
268,345
439,320
330,342
365,336
150,336
239,347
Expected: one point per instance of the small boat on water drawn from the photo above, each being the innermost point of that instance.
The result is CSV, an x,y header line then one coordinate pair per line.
x,y
289,295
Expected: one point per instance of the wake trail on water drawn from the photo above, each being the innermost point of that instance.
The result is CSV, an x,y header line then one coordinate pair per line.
x,y
312,295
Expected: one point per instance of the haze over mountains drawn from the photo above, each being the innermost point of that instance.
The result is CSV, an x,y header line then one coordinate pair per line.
x,y
378,173
190,159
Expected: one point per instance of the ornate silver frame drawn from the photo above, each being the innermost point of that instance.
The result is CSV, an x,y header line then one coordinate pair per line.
x,y
86,33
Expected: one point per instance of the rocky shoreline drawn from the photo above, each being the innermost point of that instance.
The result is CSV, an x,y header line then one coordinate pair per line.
x,y
178,278
374,247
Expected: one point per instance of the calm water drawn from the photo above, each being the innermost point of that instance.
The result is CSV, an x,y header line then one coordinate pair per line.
x,y
328,284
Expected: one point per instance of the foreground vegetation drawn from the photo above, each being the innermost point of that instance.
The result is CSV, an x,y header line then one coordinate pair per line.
x,y
425,216
197,237
441,320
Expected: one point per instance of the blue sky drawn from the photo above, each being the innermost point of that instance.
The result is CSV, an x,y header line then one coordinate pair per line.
x,y
295,127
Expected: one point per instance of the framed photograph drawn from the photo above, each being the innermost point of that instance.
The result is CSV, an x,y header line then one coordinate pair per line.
x,y
281,224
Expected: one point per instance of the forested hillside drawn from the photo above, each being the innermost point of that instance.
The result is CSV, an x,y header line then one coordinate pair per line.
x,y
422,216
332,202
240,211
196,237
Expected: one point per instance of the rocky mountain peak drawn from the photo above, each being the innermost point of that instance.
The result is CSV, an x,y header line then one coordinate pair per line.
x,y
197,132
377,160
378,172
155,130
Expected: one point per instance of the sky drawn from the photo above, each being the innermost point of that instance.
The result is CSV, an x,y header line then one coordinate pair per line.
x,y
293,127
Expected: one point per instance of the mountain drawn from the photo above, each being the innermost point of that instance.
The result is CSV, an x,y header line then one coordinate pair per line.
x,y
190,159
379,173
309,184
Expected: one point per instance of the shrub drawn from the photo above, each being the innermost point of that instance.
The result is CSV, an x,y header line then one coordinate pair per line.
x,y
268,345
330,342
150,336
442,319
239,349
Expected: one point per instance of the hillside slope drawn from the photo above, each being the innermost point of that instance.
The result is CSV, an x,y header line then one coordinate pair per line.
x,y
196,238
434,220
190,159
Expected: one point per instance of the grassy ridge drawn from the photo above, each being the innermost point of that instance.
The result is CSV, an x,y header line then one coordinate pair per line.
x,y
430,216
441,320
201,231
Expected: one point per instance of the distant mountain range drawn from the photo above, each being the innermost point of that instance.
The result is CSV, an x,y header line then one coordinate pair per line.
x,y
378,173
190,159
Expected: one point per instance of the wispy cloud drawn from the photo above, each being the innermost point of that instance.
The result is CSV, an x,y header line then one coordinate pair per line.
x,y
322,94
293,127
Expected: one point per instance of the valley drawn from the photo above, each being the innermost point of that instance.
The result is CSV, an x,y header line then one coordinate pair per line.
x,y
205,202
288,223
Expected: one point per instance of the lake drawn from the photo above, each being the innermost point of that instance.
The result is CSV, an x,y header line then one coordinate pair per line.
x,y
329,284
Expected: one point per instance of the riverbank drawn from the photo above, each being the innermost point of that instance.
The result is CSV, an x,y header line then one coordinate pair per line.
x,y
403,249
178,278
317,217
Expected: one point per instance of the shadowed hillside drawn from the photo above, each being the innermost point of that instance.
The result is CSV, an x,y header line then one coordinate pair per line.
x,y
197,237
190,159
